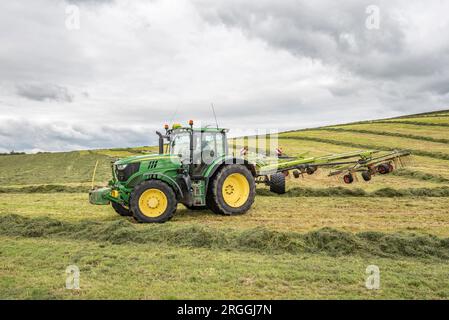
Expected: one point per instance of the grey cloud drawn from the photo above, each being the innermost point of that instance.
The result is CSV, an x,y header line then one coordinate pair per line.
x,y
28,135
90,2
334,33
438,85
44,92
384,66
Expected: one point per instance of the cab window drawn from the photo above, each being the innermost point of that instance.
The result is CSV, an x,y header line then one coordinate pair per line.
x,y
212,146
180,145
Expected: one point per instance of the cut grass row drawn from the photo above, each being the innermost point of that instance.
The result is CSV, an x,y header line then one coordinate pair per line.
x,y
434,120
373,139
45,188
359,192
430,154
284,213
439,133
295,191
388,133
416,123
436,115
440,113
418,175
261,240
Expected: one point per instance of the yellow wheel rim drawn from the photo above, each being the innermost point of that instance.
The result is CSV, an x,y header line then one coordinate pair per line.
x,y
235,190
153,203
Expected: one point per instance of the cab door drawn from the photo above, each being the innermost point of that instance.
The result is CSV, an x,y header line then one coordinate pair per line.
x,y
208,146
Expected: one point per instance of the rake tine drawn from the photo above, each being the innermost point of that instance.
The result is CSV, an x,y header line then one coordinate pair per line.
x,y
406,161
396,163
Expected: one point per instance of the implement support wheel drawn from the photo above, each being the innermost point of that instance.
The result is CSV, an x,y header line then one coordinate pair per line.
x,y
348,178
277,183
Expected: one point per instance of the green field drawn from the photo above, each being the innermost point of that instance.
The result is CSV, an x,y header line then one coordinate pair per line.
x,y
315,241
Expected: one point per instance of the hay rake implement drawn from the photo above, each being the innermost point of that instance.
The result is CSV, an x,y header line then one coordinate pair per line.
x,y
347,165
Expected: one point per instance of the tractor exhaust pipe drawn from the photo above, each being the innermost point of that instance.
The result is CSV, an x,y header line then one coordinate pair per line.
x,y
161,142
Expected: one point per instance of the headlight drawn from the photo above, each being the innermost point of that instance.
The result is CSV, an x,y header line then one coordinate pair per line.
x,y
124,171
121,166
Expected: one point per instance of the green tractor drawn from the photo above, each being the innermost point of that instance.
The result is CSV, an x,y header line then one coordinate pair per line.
x,y
197,170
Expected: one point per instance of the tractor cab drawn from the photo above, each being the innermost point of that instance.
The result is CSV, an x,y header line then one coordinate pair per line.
x,y
196,147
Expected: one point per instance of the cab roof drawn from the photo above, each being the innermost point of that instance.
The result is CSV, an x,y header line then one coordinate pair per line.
x,y
202,129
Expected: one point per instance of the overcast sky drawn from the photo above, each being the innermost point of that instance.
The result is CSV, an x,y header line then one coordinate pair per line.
x,y
128,67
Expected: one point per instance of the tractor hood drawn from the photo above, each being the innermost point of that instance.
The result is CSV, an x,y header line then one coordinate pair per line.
x,y
148,157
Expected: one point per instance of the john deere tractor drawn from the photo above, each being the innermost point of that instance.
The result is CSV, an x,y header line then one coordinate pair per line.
x,y
195,170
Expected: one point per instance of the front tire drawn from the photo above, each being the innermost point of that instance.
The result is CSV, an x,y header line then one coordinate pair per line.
x,y
232,191
153,201
121,210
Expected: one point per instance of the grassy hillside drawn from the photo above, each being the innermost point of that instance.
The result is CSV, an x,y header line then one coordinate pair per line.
x,y
313,242
62,167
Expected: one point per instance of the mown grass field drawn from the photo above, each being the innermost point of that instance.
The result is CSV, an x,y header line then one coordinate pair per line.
x,y
313,242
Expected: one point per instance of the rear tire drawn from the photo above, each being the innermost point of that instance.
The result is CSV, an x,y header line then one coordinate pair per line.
x,y
121,210
277,183
153,201
232,190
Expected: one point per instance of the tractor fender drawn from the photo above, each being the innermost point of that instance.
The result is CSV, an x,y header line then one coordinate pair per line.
x,y
218,163
163,177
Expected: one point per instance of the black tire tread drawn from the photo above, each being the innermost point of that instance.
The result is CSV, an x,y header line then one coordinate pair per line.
x,y
350,178
121,210
366,175
277,183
